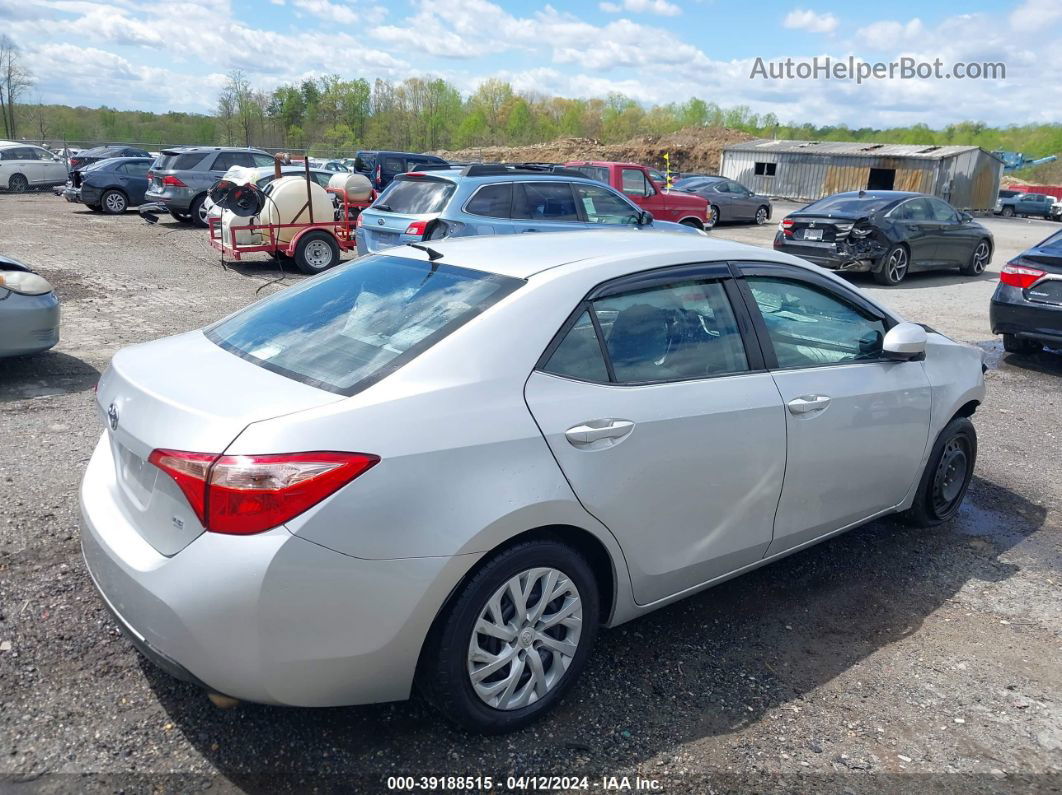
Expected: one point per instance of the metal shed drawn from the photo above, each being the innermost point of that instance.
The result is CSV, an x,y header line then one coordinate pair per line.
x,y
966,176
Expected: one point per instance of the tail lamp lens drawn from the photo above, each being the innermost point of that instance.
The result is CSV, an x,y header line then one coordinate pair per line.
x,y
248,494
417,228
786,227
173,182
1021,276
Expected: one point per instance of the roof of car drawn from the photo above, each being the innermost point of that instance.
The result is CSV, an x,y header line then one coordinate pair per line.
x,y
186,149
537,253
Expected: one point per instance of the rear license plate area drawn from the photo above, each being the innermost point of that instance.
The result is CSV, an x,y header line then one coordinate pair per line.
x,y
812,234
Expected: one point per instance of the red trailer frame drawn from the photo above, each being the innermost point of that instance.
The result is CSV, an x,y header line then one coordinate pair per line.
x,y
342,230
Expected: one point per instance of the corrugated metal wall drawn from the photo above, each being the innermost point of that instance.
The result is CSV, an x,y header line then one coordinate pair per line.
x,y
969,180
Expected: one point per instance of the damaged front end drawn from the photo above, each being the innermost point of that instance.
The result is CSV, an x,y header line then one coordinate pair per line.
x,y
860,246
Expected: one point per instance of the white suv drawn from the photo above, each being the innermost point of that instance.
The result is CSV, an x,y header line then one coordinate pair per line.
x,y
23,166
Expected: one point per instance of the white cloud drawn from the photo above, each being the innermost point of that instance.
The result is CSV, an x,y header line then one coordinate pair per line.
x,y
1033,15
888,34
661,7
804,19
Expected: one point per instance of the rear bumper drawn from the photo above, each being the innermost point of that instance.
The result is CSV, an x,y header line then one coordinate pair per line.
x,y
825,255
179,199
270,618
1011,313
28,323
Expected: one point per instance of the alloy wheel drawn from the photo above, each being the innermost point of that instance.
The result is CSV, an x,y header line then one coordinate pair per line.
x,y
897,265
525,638
18,184
115,202
713,215
761,216
980,257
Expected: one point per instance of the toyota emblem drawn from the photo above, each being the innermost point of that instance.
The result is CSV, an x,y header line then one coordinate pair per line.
x,y
112,417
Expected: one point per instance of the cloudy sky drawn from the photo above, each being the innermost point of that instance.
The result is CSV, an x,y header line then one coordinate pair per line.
x,y
173,55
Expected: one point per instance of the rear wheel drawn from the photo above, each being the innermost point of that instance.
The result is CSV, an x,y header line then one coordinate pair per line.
x,y
1015,344
514,640
894,267
184,218
114,202
947,475
315,252
1007,212
18,183
198,211
982,253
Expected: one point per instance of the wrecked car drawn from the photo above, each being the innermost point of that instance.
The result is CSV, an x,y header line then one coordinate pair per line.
x,y
886,233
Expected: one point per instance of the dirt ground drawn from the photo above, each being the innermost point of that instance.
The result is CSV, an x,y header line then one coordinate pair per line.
x,y
694,149
888,659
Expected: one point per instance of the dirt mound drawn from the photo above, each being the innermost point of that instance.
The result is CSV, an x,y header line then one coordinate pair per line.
x,y
691,149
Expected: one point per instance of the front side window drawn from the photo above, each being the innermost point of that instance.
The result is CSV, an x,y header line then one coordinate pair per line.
x,y
602,206
913,210
634,182
493,201
942,211
344,330
677,332
809,326
544,201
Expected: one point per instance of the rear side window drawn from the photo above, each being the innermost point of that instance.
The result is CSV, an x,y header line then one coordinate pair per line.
x,y
416,196
676,332
347,329
135,169
494,201
600,173
186,161
544,201
393,165
260,160
226,160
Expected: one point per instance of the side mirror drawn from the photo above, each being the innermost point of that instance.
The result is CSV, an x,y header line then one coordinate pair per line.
x,y
905,342
645,218
964,217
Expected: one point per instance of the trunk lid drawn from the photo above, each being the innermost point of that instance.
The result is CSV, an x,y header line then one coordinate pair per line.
x,y
182,393
409,198
822,229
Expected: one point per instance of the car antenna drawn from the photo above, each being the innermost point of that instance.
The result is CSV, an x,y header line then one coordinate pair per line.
x,y
432,253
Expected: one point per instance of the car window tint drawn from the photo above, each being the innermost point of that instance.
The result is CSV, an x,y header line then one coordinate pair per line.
x,y
545,201
416,195
136,169
345,329
321,177
634,182
847,204
721,187
678,332
24,153
393,165
579,354
600,173
494,201
942,212
809,327
261,161
602,206
227,160
913,210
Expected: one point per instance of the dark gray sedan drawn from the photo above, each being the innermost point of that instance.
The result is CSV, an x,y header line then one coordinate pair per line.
x,y
728,200
29,310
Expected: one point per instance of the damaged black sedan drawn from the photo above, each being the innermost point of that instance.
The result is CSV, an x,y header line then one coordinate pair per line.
x,y
886,233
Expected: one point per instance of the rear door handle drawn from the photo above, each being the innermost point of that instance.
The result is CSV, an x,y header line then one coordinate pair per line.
x,y
808,403
595,430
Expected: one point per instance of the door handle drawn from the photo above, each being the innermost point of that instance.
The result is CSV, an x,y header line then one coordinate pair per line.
x,y
807,404
596,430
530,230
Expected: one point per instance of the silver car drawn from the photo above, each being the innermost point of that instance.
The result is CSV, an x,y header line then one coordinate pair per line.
x,y
448,465
29,310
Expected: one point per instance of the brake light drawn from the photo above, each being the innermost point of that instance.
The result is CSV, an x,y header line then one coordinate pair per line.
x,y
173,182
361,220
1020,275
417,228
786,227
150,175
248,494
379,176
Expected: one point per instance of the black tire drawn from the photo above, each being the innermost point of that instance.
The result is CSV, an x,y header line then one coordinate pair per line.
x,y
979,259
947,475
95,208
197,212
762,214
17,183
894,266
311,255
1015,344
692,223
1007,212
443,677
114,202
184,218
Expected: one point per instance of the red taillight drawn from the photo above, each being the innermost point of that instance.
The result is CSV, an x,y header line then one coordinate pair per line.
x,y
417,228
1020,275
359,222
379,176
247,494
787,227
173,182
150,175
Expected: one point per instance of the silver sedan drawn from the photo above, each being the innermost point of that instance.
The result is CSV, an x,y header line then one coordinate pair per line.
x,y
29,310
449,466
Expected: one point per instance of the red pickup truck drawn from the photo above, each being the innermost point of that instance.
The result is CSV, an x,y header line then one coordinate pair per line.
x,y
636,184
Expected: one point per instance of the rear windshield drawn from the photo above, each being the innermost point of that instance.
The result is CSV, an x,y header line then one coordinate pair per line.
x,y
169,161
1054,243
847,206
347,329
415,196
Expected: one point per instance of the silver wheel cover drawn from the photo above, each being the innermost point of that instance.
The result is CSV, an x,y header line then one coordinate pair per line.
x,y
318,254
525,638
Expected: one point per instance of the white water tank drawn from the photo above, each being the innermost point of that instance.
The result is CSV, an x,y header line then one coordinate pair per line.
x,y
288,205
357,186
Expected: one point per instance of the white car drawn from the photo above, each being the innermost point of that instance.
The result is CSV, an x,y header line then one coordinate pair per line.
x,y
449,463
24,166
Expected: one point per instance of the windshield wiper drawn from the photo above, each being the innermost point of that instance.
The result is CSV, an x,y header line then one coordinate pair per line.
x,y
385,207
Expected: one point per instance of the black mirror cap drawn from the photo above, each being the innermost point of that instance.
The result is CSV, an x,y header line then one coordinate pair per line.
x,y
645,218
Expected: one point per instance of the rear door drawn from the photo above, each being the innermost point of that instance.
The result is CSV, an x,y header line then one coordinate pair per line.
x,y
133,176
542,206
26,162
857,424
654,402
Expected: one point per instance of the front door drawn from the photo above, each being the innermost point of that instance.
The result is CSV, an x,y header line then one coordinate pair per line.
x,y
857,423
640,189
920,231
666,426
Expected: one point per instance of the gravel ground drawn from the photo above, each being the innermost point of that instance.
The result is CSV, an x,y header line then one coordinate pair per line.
x,y
886,659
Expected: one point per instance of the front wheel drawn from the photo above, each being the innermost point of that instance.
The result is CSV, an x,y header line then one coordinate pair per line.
x,y
982,253
515,638
947,475
316,252
1007,212
713,217
761,216
894,267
